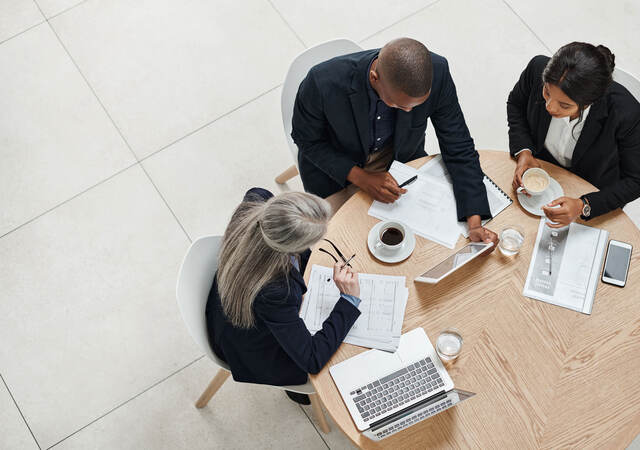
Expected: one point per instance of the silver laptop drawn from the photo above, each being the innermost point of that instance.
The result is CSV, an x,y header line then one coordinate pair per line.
x,y
388,392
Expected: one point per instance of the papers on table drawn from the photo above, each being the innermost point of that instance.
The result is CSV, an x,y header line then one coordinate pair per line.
x,y
429,206
565,266
384,299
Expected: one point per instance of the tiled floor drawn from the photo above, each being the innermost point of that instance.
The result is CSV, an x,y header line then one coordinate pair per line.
x,y
128,128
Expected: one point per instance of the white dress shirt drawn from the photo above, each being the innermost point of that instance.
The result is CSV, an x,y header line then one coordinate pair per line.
x,y
562,137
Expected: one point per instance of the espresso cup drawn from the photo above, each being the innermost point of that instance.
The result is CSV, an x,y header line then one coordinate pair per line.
x,y
535,182
391,237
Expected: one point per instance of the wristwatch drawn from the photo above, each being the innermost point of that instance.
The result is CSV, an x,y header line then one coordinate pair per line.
x,y
586,207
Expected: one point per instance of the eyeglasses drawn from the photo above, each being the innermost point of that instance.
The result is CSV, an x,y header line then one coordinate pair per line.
x,y
344,260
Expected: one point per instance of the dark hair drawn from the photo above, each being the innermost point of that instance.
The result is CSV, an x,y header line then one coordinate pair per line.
x,y
406,63
582,71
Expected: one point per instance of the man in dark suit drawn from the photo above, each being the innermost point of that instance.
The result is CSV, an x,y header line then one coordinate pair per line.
x,y
355,114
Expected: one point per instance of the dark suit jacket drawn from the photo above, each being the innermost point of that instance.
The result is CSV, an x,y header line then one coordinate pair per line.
x,y
331,129
607,153
278,350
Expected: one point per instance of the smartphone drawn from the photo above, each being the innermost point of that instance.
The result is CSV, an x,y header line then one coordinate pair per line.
x,y
616,265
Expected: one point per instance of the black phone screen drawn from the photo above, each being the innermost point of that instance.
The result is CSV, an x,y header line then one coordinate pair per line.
x,y
617,262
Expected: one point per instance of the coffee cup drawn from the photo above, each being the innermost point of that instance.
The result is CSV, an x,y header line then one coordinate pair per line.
x,y
391,237
535,182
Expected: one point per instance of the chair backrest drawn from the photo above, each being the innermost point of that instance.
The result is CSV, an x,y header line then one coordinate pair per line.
x,y
192,290
629,81
298,71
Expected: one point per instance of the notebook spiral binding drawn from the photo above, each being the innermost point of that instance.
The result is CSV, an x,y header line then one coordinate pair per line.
x,y
499,189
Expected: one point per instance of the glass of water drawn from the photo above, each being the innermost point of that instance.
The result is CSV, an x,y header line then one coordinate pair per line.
x,y
511,240
449,344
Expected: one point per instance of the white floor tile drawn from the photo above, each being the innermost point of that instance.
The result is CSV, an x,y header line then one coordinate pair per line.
x,y
16,16
14,433
55,138
164,69
240,416
615,24
335,439
205,176
316,22
52,7
88,316
487,50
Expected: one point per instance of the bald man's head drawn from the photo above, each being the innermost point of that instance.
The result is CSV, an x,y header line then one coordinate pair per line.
x,y
405,64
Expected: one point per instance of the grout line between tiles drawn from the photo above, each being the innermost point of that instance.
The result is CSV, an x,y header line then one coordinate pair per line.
x,y
287,23
19,410
526,25
67,9
210,122
69,199
314,426
118,130
22,32
165,202
129,400
400,20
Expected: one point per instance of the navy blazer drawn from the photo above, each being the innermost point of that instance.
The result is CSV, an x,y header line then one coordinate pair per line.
x,y
331,129
607,153
278,350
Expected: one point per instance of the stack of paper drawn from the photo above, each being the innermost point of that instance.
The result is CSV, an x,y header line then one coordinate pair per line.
x,y
384,299
429,206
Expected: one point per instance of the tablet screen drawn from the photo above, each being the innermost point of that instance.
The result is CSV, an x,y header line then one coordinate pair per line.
x,y
456,260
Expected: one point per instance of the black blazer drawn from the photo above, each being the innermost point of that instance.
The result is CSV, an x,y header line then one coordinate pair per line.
x,y
278,350
607,153
331,129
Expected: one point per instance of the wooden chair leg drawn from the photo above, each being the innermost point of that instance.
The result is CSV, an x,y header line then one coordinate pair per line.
x,y
213,387
316,405
287,175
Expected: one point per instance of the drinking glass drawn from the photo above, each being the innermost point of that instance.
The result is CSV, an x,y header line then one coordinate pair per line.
x,y
511,240
449,344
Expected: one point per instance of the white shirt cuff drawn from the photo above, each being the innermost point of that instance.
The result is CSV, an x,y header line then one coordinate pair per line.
x,y
523,150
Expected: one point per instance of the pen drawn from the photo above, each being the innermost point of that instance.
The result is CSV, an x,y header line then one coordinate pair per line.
x,y
409,181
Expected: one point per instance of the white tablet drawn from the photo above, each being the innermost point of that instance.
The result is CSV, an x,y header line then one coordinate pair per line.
x,y
454,262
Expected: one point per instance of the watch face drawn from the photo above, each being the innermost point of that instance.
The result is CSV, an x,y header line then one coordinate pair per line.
x,y
586,210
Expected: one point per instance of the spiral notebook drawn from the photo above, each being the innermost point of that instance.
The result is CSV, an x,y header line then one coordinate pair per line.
x,y
429,206
498,199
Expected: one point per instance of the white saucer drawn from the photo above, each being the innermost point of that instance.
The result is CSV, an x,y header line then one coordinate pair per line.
x,y
400,255
534,204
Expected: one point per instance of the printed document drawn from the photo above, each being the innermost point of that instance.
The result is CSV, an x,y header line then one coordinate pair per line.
x,y
384,299
565,266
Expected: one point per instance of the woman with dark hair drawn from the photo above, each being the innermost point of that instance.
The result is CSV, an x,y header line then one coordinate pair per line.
x,y
568,110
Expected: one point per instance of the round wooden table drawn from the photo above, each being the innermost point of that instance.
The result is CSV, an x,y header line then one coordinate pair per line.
x,y
545,376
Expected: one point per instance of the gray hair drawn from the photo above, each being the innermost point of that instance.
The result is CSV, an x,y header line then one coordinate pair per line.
x,y
258,244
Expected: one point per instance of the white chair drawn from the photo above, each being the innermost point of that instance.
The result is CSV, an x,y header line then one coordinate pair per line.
x,y
632,84
297,72
192,291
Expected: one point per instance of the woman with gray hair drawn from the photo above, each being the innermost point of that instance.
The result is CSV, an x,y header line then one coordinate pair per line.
x,y
253,306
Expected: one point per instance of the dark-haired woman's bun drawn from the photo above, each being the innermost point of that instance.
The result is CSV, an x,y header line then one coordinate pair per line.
x,y
608,56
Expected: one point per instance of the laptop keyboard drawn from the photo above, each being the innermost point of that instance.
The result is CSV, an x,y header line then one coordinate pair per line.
x,y
401,387
407,422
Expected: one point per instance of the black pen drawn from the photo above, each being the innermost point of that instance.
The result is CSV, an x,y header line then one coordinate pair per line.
x,y
409,181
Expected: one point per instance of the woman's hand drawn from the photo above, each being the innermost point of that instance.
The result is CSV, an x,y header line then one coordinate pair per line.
x,y
525,161
563,211
346,279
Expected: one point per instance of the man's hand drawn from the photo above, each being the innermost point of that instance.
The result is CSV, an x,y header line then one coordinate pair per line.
x,y
379,185
563,211
478,233
525,161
